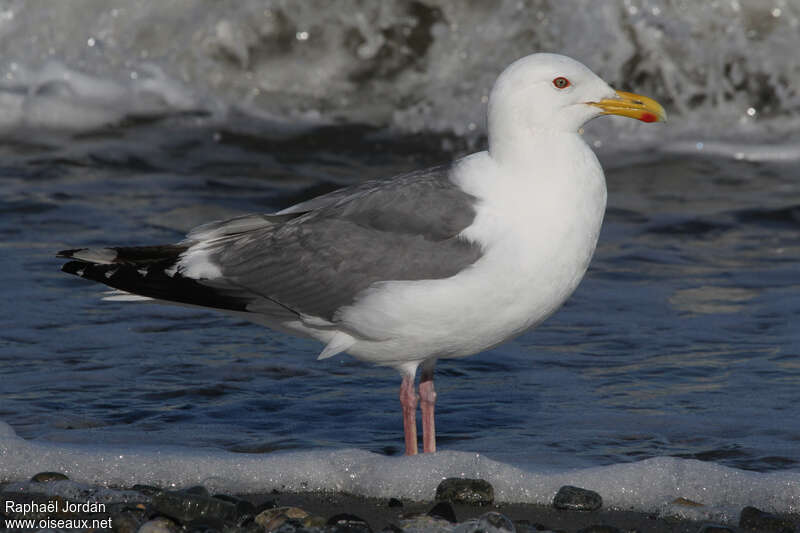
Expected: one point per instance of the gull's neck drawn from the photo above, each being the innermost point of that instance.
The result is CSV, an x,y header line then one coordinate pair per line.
x,y
517,147
516,134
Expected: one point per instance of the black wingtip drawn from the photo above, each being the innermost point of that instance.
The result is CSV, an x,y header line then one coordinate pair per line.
x,y
153,282
73,267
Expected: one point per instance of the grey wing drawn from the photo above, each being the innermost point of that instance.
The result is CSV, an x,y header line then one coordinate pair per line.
x,y
318,258
347,194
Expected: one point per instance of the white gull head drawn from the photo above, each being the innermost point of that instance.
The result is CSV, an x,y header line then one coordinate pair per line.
x,y
545,94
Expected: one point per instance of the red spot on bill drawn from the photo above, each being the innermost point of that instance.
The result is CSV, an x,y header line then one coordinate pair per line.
x,y
648,117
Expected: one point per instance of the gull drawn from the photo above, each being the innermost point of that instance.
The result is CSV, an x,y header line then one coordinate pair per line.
x,y
438,263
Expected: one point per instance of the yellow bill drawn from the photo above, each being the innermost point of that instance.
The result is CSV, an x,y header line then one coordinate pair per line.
x,y
633,106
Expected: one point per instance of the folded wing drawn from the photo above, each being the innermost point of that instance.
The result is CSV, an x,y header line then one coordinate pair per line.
x,y
307,261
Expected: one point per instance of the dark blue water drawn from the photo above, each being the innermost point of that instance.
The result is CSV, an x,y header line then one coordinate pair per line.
x,y
683,340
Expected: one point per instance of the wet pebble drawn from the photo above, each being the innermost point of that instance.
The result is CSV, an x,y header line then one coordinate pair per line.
x,y
287,519
347,523
44,477
577,499
314,521
491,522
127,521
686,502
186,507
159,524
526,526
147,490
394,502
289,527
754,519
245,511
444,511
273,518
466,491
198,490
425,524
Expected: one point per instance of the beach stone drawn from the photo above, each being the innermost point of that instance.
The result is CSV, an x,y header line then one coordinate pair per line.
x,y
686,502
245,511
147,490
186,508
466,491
491,522
314,521
577,499
752,518
199,490
424,523
276,517
44,477
714,528
290,526
127,521
159,524
348,523
526,526
468,526
288,512
444,511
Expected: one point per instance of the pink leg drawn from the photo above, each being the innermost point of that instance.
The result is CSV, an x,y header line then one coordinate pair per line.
x,y
427,397
408,399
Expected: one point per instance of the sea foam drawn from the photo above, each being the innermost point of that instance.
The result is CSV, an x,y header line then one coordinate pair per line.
x,y
651,485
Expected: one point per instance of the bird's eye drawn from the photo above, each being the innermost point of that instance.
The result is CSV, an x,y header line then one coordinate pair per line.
x,y
561,82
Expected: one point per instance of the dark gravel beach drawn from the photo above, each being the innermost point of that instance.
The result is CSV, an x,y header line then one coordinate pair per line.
x,y
463,506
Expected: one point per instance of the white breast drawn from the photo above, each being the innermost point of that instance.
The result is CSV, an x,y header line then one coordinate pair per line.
x,y
538,219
